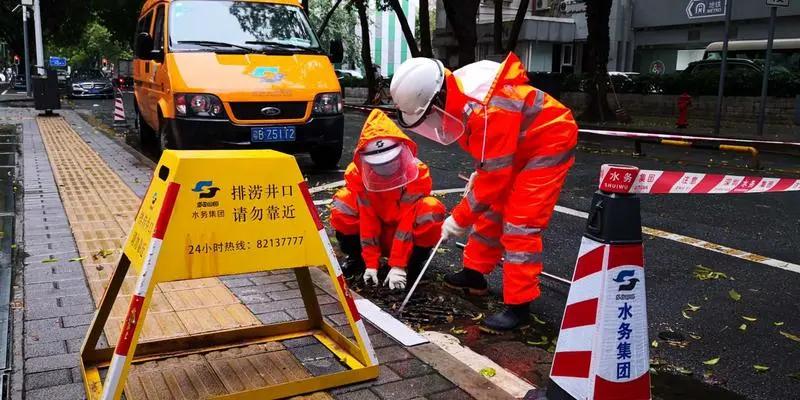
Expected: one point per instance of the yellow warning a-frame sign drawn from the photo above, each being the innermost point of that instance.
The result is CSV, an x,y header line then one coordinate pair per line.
x,y
216,213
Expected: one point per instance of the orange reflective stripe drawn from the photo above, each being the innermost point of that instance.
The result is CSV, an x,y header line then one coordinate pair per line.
x,y
343,208
428,218
491,242
522,257
365,242
474,205
550,160
496,163
403,236
530,112
513,229
506,103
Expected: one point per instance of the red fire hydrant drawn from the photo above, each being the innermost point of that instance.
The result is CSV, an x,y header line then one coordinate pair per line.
x,y
684,102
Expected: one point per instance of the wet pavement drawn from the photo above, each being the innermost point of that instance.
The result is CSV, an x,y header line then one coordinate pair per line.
x,y
764,224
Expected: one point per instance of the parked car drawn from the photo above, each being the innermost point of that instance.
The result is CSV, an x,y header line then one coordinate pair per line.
x,y
124,78
734,64
234,83
63,78
90,83
352,73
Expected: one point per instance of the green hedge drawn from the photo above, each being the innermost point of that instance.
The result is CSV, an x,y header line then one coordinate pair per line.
x,y
738,83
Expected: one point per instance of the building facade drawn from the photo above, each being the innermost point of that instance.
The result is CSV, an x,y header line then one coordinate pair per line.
x,y
388,44
644,33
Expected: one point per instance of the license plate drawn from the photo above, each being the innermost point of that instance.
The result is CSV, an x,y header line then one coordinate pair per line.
x,y
272,134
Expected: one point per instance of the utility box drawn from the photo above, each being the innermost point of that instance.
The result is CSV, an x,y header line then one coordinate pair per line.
x,y
45,92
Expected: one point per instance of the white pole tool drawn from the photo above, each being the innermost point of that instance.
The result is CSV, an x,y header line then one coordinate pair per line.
x,y
421,273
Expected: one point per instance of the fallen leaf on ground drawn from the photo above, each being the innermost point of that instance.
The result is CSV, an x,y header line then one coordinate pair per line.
x,y
704,273
761,368
743,327
692,307
654,343
695,337
712,361
683,370
685,315
13,246
538,321
751,319
734,295
795,375
49,260
778,323
76,259
790,336
477,317
541,342
488,372
457,331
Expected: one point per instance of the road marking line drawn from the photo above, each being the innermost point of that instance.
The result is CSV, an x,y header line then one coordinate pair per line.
x,y
510,383
322,188
389,324
4,92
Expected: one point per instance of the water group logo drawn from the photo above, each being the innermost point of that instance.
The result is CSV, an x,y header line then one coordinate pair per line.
x,y
626,280
206,189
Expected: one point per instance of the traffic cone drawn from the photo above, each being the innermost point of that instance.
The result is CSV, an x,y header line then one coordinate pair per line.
x,y
602,350
119,111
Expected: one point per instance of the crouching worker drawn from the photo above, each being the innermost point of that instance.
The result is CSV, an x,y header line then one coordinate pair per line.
x,y
385,208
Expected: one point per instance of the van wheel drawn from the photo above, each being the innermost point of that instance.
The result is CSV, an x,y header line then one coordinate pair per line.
x,y
165,136
327,157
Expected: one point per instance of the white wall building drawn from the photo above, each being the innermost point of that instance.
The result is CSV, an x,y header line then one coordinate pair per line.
x,y
388,44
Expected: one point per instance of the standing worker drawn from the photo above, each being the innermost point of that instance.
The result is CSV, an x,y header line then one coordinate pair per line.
x,y
385,208
522,141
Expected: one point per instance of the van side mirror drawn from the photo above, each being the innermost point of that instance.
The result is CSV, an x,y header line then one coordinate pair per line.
x,y
336,51
144,46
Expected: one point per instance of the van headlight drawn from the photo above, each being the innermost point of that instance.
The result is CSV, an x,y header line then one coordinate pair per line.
x,y
328,104
199,105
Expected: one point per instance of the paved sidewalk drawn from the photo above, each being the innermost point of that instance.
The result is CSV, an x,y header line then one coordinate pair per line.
x,y
85,170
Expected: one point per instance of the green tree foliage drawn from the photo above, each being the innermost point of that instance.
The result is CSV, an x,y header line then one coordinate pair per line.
x,y
62,21
342,26
95,43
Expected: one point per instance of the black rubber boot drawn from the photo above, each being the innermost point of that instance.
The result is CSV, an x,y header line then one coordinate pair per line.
x,y
514,316
419,255
470,282
353,264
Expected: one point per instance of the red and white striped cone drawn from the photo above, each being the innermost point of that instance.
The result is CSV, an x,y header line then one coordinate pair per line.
x,y
602,350
339,277
119,111
112,388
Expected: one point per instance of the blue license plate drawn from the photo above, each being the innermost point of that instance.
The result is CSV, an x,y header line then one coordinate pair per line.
x,y
272,134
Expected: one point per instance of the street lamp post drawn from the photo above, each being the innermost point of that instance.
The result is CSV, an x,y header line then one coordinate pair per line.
x,y
37,26
27,66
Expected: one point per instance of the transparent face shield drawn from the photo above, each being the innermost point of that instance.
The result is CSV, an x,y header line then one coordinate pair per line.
x,y
380,174
437,125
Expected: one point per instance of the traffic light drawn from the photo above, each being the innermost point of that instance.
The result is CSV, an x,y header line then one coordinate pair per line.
x,y
16,60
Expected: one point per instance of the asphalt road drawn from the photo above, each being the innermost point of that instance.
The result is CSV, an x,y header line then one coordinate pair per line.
x,y
764,224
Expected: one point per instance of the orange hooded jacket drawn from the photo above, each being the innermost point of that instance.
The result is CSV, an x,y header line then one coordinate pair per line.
x,y
382,211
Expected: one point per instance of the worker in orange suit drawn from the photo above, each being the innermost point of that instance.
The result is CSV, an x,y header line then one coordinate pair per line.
x,y
385,208
522,142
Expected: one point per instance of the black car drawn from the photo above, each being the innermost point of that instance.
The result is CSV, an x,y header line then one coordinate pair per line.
x,y
90,83
734,64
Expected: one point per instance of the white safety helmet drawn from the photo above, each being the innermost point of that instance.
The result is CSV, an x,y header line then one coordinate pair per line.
x,y
387,164
418,90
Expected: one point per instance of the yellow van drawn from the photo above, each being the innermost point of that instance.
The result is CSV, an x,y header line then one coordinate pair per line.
x,y
244,73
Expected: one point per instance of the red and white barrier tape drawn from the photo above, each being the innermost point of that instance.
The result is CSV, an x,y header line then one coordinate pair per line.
x,y
629,179
340,279
113,384
644,135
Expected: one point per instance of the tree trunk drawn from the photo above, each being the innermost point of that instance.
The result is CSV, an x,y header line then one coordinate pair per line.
x,y
407,32
304,3
498,26
462,17
426,48
597,15
366,56
519,19
327,18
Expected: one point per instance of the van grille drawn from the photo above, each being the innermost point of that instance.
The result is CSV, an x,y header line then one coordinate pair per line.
x,y
252,110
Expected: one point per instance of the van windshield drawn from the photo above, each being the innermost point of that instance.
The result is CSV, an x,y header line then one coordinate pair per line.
x,y
239,26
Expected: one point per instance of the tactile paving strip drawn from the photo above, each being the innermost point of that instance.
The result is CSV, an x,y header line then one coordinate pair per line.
x,y
100,208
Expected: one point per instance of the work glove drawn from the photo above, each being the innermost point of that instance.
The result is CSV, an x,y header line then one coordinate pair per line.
x,y
371,274
396,279
452,230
